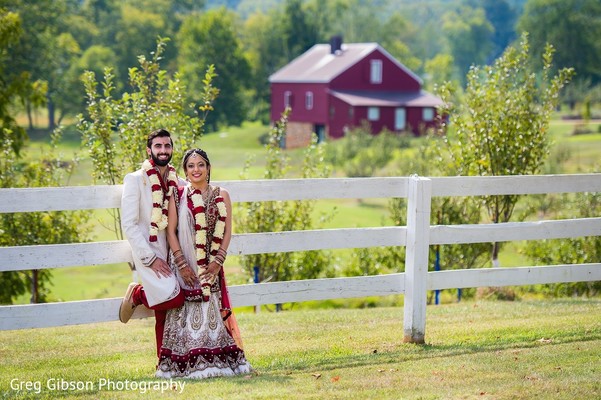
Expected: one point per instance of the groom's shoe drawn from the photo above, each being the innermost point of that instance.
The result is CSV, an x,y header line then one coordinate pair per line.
x,y
126,310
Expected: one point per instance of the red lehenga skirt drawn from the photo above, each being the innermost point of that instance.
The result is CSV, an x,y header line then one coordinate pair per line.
x,y
198,343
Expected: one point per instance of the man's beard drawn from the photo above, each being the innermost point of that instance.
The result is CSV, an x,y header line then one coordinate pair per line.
x,y
159,162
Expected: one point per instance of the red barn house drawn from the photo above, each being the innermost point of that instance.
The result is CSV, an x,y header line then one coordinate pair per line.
x,y
333,87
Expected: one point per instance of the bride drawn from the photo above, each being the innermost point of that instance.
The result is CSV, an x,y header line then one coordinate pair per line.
x,y
201,339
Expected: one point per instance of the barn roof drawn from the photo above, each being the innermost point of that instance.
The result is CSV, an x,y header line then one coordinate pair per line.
x,y
319,65
388,99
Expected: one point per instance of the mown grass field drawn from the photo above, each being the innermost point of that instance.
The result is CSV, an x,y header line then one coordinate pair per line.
x,y
474,350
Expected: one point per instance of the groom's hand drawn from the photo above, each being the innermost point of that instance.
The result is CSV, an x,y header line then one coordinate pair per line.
x,y
160,267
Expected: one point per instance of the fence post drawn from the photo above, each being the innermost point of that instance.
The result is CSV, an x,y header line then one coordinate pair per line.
x,y
419,196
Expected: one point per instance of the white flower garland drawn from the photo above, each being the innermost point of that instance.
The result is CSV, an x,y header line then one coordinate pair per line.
x,y
160,198
200,220
196,203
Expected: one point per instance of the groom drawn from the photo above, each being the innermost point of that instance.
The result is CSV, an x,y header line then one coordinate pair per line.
x,y
144,202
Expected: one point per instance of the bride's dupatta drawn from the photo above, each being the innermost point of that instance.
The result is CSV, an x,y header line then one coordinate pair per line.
x,y
229,320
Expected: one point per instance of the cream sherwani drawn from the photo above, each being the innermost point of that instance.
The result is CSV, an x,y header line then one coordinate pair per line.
x,y
136,209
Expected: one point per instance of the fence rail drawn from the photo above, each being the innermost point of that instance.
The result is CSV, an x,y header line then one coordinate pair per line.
x,y
417,236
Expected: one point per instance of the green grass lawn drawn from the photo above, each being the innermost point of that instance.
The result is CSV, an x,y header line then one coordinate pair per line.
x,y
474,350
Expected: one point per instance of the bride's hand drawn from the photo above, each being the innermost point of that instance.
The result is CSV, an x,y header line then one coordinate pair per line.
x,y
188,276
210,271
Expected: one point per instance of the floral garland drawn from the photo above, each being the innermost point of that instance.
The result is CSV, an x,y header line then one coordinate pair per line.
x,y
160,197
203,258
196,204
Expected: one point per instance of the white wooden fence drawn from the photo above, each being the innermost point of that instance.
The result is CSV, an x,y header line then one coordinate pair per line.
x,y
417,236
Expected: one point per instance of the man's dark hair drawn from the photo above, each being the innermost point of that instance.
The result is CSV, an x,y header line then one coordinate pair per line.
x,y
158,133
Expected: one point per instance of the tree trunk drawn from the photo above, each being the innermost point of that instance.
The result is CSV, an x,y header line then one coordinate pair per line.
x,y
495,255
29,117
51,120
34,286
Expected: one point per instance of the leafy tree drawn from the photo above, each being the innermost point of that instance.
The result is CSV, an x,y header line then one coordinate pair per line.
x,y
502,16
396,33
502,127
136,34
361,153
212,38
572,27
34,228
439,70
569,251
34,51
356,20
84,31
14,87
264,50
104,17
28,228
576,92
115,129
427,160
465,31
277,216
96,59
62,86
299,33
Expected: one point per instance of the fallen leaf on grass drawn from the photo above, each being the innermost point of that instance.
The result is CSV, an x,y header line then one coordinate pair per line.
x,y
544,340
381,370
316,376
335,379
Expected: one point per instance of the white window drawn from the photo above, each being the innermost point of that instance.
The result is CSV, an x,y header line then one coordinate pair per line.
x,y
309,100
373,113
287,98
428,114
400,119
375,72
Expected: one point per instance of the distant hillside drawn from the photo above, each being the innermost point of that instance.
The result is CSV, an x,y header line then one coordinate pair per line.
x,y
419,8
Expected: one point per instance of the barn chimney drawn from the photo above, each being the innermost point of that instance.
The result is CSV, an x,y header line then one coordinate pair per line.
x,y
336,44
